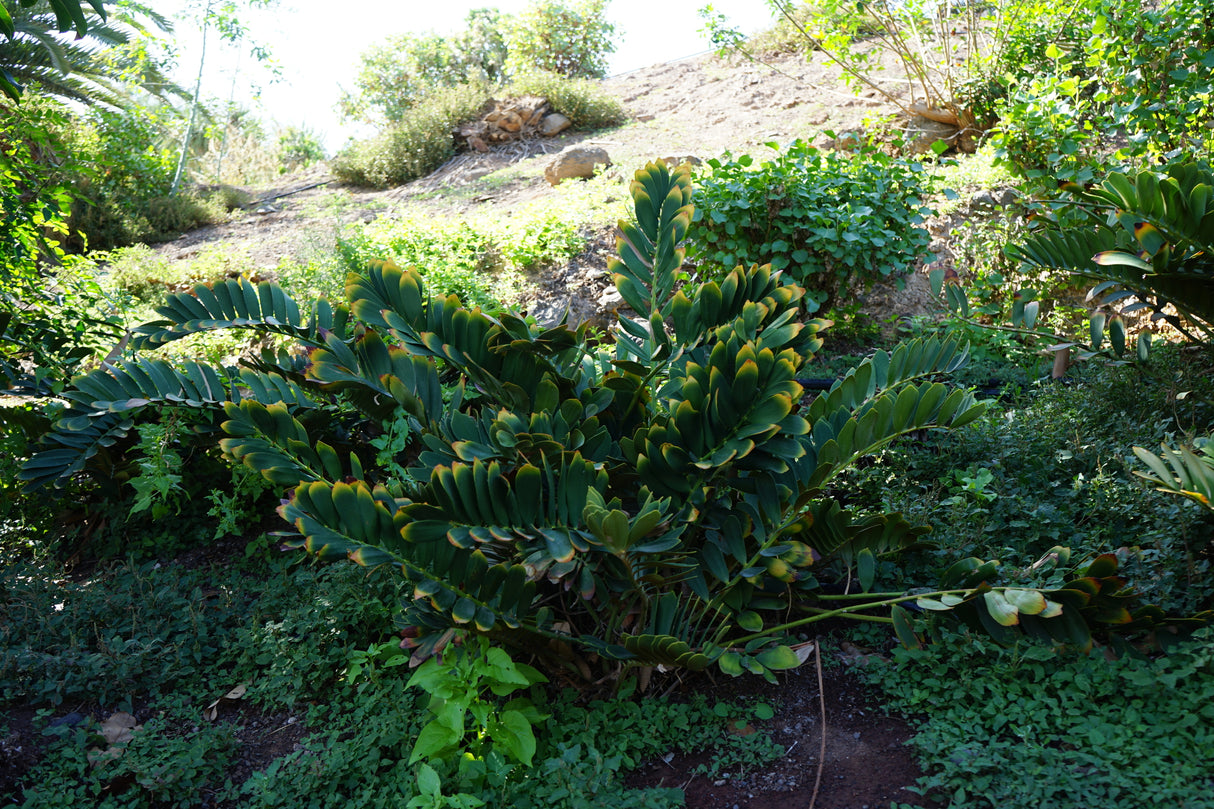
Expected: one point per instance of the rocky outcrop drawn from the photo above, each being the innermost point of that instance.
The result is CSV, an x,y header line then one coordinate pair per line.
x,y
511,119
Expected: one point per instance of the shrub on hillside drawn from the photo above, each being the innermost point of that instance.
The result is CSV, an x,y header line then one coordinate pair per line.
x,y
298,147
570,39
832,220
421,143
584,102
122,176
414,147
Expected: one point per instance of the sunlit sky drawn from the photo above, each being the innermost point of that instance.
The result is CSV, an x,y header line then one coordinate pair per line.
x,y
316,43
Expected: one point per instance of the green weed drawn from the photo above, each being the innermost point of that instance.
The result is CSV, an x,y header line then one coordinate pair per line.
x,y
1029,726
160,765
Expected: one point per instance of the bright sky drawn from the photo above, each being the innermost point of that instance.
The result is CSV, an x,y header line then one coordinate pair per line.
x,y
317,44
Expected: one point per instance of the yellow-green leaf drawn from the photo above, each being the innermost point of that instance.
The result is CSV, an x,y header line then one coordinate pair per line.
x,y
1004,613
1027,602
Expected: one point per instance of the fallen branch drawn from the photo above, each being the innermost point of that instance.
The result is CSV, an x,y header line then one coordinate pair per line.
x,y
822,703
258,203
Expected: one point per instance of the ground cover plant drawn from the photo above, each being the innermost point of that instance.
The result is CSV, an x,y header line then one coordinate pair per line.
x,y
200,631
1156,712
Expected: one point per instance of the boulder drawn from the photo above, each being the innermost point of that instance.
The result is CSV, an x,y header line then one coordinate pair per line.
x,y
922,132
554,124
575,162
983,201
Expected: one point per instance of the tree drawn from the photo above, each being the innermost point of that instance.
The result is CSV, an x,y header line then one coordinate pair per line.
x,y
570,39
223,17
89,65
400,72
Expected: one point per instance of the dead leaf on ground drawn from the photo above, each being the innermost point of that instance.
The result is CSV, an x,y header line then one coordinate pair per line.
x,y
212,711
117,730
803,650
120,728
854,655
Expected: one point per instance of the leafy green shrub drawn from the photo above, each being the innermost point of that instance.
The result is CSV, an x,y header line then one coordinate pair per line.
x,y
1029,726
831,220
298,147
454,258
460,684
570,38
413,147
53,314
123,175
1063,118
585,103
1046,129
1154,68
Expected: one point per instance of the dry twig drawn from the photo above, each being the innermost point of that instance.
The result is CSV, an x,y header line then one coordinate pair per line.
x,y
822,702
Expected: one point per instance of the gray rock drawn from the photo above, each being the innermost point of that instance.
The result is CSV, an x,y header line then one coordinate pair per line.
x,y
921,133
983,201
1006,196
554,124
610,300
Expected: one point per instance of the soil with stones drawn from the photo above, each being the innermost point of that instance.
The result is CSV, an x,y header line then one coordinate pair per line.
x,y
842,752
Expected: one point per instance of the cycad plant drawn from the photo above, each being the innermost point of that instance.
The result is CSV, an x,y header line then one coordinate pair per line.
x,y
1146,239
663,498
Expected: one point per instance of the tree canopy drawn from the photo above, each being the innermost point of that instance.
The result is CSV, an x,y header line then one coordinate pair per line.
x,y
76,49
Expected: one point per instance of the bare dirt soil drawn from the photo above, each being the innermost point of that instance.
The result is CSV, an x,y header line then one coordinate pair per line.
x,y
698,107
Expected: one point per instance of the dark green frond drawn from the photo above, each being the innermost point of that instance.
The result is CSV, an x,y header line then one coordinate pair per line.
x,y
237,303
